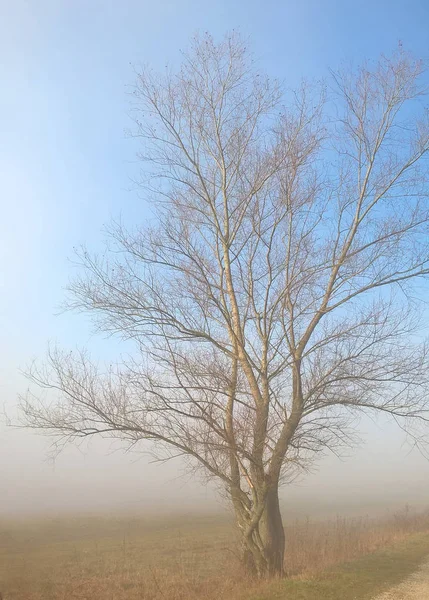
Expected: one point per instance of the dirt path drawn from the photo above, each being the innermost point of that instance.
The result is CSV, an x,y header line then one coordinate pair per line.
x,y
415,587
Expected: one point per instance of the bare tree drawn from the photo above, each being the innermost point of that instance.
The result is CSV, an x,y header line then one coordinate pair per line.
x,y
274,299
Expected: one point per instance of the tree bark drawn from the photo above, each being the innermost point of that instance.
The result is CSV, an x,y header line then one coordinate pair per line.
x,y
263,551
272,534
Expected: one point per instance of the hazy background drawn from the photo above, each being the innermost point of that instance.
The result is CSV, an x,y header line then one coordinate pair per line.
x,y
66,169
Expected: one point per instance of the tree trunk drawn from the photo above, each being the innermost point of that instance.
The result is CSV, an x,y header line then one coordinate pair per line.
x,y
272,534
263,551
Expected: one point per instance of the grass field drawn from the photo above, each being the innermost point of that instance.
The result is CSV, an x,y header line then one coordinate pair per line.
x,y
187,558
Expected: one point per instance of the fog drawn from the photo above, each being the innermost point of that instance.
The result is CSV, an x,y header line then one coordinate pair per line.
x,y
383,473
66,169
380,476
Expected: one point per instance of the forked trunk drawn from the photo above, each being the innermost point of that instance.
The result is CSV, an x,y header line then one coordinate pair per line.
x,y
263,551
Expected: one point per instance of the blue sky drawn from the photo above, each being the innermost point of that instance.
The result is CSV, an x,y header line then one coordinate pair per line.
x,y
65,163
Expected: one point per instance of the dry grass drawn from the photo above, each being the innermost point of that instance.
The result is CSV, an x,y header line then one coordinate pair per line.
x,y
315,546
186,559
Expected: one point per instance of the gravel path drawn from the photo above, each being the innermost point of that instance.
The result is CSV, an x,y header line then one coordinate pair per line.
x,y
415,587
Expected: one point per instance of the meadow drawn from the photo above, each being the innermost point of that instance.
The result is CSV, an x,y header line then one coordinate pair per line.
x,y
190,558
